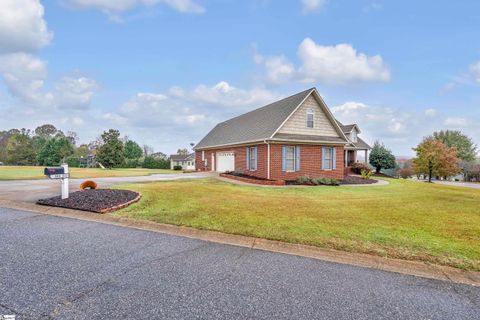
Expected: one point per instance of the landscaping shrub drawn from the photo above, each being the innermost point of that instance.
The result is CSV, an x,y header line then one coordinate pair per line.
x,y
325,181
366,174
358,167
405,173
177,167
304,180
156,163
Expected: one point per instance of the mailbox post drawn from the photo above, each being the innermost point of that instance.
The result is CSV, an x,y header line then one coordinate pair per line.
x,y
65,182
62,174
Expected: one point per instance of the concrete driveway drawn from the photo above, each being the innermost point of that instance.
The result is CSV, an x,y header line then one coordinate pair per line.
x,y
32,190
62,268
458,184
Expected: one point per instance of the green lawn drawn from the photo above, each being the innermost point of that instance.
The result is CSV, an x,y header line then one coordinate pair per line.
x,y
405,219
31,172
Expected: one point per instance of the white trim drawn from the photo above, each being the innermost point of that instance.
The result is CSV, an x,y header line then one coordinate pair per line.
x,y
290,115
268,161
312,113
213,161
329,114
237,144
308,142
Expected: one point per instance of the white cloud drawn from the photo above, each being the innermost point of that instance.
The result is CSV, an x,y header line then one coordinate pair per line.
x,y
430,112
74,93
115,7
474,70
349,107
223,95
339,64
185,6
470,77
277,68
22,26
374,6
455,122
24,76
313,5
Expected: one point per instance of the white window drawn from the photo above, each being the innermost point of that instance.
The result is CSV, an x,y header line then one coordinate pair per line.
x,y
328,159
310,117
252,161
289,158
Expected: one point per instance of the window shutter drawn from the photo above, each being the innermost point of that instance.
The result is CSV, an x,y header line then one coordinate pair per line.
x,y
248,158
323,158
256,159
284,153
334,166
297,158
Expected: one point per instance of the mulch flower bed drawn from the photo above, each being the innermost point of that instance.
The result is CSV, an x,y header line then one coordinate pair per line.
x,y
251,179
99,200
356,180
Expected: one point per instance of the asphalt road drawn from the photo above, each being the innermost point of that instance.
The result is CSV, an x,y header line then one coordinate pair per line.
x,y
32,190
52,267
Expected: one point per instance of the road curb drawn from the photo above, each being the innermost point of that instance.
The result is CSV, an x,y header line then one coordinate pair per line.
x,y
414,268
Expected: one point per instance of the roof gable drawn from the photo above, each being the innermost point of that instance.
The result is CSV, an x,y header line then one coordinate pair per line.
x,y
256,125
297,122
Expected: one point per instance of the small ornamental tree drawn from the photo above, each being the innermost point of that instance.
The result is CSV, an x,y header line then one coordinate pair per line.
x,y
111,152
381,158
435,158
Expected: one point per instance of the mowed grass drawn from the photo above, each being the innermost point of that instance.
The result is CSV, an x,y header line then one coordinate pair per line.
x,y
405,219
34,172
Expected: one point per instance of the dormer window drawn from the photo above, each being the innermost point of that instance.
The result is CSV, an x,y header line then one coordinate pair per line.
x,y
310,117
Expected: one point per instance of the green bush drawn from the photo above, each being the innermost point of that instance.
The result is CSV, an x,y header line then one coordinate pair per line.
x,y
325,181
317,181
73,161
156,163
177,167
366,174
304,180
358,167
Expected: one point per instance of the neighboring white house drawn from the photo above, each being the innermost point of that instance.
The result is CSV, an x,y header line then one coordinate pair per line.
x,y
186,161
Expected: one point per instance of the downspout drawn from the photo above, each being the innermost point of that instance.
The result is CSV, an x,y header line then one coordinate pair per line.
x,y
268,158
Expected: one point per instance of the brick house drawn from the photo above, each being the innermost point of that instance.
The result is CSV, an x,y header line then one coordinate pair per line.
x,y
295,136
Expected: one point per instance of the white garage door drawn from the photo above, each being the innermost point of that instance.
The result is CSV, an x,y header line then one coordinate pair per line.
x,y
225,161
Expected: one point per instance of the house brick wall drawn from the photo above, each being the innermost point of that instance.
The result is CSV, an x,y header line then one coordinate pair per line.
x,y
310,162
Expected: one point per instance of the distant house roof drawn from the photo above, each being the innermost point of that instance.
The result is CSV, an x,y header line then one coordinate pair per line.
x,y
159,155
182,157
259,124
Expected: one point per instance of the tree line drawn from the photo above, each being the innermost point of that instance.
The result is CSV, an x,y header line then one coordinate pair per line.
x,y
445,153
48,146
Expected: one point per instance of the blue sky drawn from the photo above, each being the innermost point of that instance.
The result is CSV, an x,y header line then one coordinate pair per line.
x,y
164,72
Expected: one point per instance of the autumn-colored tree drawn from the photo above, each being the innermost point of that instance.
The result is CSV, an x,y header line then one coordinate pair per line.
x,y
435,158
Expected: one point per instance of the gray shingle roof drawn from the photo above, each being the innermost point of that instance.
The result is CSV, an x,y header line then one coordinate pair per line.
x,y
182,157
360,144
255,125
